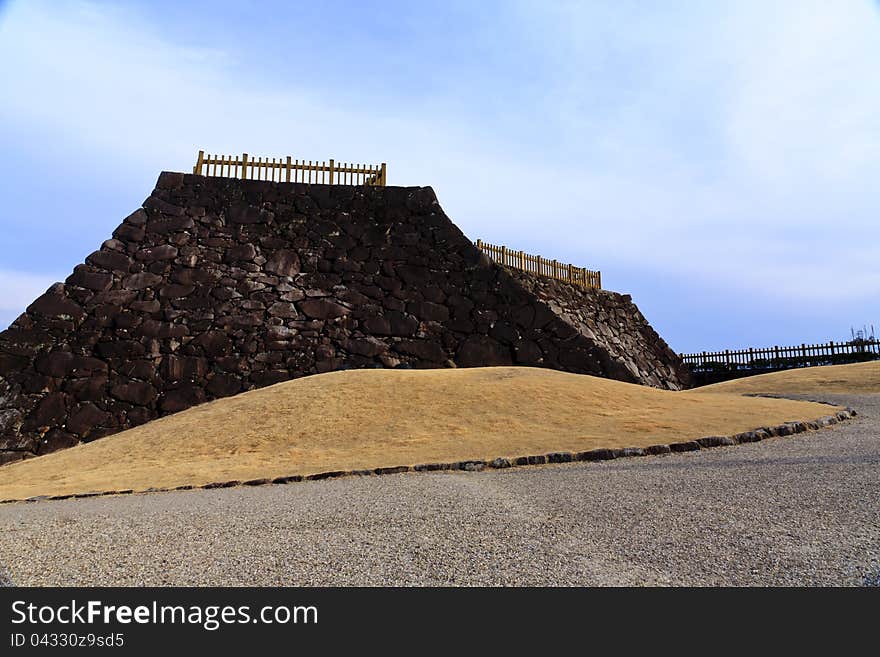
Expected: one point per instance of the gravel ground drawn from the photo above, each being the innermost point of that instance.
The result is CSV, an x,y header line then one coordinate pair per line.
x,y
803,510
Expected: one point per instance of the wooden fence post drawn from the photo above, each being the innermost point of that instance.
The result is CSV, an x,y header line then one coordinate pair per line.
x,y
332,164
244,163
287,174
197,169
382,178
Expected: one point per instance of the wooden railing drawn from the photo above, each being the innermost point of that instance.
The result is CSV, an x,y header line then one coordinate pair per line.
x,y
784,357
535,264
290,170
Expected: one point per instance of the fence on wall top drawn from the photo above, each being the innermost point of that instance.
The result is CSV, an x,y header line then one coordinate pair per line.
x,y
777,356
290,170
535,264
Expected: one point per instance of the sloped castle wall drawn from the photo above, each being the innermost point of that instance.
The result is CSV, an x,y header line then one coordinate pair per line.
x,y
216,286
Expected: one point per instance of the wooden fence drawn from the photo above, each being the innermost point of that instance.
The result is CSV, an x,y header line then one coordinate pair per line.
x,y
535,264
290,170
784,357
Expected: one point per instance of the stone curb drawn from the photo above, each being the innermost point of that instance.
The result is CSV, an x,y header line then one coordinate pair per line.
x,y
601,454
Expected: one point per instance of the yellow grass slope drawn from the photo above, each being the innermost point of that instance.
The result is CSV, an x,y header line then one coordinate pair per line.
x,y
373,418
857,378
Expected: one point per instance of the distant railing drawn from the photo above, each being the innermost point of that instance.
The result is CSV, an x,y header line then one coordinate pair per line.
x,y
290,170
777,357
535,264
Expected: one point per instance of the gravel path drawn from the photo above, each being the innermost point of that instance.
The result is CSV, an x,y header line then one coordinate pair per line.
x,y
786,511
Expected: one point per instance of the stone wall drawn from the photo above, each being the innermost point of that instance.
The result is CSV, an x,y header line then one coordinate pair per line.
x,y
216,286
616,325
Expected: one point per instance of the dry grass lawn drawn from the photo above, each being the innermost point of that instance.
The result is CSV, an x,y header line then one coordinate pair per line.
x,y
373,418
857,378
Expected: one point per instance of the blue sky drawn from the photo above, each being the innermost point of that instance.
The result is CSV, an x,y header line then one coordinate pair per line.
x,y
718,161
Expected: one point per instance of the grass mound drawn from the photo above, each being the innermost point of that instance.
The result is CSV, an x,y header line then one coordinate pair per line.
x,y
374,418
856,378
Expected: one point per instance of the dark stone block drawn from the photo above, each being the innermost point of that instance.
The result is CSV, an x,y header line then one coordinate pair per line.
x,y
172,401
322,309
92,388
222,484
256,482
428,311
57,364
369,347
156,204
53,304
11,363
223,385
122,349
686,446
175,291
96,281
141,281
284,262
392,470
55,440
377,325
424,349
136,218
165,225
287,480
326,475
136,392
245,252
596,455
470,466
269,377
110,260
482,351
50,412
154,253
283,309
715,441
170,180
85,417
128,233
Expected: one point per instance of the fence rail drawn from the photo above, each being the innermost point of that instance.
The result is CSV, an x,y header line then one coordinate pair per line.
x,y
535,264
290,170
784,357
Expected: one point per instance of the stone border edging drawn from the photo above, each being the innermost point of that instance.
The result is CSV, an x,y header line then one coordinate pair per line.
x,y
475,465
